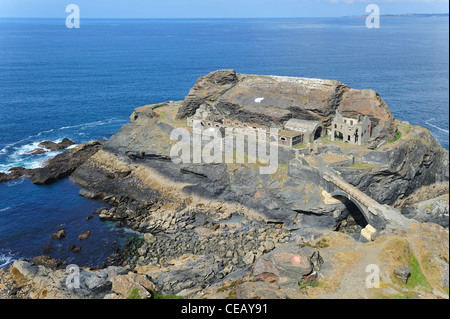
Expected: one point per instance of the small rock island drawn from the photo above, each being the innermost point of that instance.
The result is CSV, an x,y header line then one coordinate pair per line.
x,y
354,188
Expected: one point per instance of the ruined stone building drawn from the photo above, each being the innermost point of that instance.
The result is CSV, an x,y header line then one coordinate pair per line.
x,y
292,133
308,130
351,130
207,115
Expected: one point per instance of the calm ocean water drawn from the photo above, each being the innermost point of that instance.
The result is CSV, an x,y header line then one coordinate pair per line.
x,y
84,83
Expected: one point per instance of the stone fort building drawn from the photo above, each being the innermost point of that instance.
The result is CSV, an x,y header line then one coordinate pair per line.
x,y
351,130
294,131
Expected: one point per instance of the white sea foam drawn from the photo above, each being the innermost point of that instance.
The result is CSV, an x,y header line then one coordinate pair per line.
x,y
21,156
17,153
92,124
7,147
5,209
6,258
436,127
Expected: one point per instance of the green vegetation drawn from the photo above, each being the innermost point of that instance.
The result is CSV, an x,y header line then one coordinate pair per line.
x,y
299,146
399,136
232,288
320,244
404,295
399,250
417,277
313,283
134,294
406,127
362,165
232,294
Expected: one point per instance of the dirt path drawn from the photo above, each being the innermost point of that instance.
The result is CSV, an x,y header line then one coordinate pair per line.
x,y
353,282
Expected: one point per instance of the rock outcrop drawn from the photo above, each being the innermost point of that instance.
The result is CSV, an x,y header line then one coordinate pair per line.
x,y
434,210
135,164
271,100
414,161
62,165
47,279
49,146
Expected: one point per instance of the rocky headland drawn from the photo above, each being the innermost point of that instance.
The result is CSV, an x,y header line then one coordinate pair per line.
x,y
60,166
223,230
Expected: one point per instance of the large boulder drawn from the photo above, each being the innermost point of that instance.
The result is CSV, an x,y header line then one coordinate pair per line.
x,y
133,286
284,265
49,146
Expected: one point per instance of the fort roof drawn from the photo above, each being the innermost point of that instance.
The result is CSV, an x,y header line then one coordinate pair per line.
x,y
303,126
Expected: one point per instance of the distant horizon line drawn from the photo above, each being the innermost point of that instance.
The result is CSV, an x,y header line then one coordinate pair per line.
x,y
406,15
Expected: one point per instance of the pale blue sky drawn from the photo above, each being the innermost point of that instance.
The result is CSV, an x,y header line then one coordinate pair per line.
x,y
215,8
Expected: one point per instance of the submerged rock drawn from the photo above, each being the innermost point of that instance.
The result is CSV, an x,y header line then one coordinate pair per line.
x,y
52,146
85,235
59,235
75,249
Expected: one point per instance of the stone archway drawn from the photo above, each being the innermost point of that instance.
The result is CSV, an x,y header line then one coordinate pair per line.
x,y
338,135
356,214
318,132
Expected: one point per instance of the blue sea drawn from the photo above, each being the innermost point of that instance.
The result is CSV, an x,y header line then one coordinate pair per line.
x,y
84,83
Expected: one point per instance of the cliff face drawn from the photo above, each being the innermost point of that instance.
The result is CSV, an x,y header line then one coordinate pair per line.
x,y
414,161
135,164
285,98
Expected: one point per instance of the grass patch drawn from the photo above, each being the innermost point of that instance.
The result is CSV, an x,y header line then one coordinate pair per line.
x,y
134,294
396,138
232,294
362,165
299,146
417,277
322,243
397,296
406,127
311,283
231,286
399,250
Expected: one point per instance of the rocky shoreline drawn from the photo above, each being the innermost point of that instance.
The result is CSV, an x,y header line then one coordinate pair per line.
x,y
225,231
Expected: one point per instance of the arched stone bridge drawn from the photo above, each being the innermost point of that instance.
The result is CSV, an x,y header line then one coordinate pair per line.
x,y
377,215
